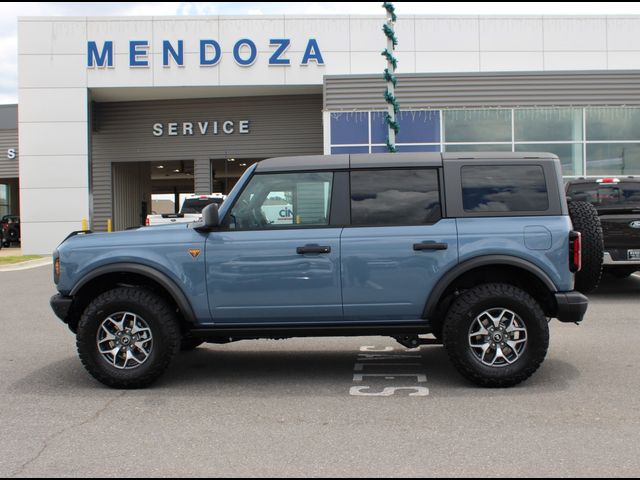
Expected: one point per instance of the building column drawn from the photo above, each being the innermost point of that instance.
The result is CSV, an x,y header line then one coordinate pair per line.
x,y
202,176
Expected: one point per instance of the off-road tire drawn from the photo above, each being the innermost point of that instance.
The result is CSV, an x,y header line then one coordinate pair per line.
x,y
189,344
463,312
160,318
586,221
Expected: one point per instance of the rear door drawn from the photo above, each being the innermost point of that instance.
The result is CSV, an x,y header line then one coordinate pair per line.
x,y
398,245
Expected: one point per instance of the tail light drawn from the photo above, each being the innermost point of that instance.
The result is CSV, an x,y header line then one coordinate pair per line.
x,y
575,251
146,222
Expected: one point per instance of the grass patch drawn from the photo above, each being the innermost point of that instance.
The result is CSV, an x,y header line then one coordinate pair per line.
x,y
16,259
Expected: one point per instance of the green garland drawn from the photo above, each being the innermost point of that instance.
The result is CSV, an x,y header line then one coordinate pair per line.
x,y
391,9
392,100
393,124
388,77
391,35
390,58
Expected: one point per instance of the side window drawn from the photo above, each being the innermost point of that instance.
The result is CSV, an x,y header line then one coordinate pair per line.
x,y
504,189
283,200
395,197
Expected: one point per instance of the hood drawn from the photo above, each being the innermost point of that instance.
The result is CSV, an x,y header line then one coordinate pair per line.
x,y
154,235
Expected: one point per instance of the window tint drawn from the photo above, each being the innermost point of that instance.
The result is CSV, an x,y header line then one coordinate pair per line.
x,y
283,200
395,197
500,189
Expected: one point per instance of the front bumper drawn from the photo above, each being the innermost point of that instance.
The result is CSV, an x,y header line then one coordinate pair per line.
x,y
61,306
572,307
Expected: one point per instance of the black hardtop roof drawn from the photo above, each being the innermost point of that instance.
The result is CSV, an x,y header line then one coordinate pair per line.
x,y
383,160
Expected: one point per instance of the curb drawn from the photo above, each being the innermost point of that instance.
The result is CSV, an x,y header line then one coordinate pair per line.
x,y
28,265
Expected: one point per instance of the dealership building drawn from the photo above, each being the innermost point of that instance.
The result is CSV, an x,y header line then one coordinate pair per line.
x,y
115,110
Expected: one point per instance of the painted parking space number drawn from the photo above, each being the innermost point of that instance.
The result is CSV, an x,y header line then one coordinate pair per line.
x,y
374,365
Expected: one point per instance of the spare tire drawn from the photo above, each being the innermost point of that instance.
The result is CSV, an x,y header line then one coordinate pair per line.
x,y
586,221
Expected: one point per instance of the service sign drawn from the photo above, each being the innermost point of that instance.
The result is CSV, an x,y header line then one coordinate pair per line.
x,y
244,53
190,129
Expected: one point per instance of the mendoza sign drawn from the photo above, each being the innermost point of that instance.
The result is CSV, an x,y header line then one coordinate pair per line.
x,y
245,53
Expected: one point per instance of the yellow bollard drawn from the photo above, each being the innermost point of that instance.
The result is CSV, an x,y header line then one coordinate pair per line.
x,y
84,225
109,225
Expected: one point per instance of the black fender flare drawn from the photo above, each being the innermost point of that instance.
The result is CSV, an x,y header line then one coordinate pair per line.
x,y
468,265
153,274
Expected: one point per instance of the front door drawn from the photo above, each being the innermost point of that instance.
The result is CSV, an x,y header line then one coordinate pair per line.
x,y
279,260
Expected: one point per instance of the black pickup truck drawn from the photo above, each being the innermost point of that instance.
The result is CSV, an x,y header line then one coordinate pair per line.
x,y
617,200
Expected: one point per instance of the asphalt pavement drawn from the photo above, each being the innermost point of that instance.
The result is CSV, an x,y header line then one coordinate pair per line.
x,y
319,407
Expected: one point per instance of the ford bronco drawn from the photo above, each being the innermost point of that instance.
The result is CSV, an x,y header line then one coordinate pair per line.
x,y
477,250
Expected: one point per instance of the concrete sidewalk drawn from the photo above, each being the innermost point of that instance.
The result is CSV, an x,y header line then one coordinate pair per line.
x,y
11,252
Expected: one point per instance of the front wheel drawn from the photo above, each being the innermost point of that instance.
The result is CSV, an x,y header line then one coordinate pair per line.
x,y
496,335
127,337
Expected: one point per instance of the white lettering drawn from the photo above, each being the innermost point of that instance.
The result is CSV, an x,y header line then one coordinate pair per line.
x,y
359,367
370,348
11,153
388,391
213,127
359,377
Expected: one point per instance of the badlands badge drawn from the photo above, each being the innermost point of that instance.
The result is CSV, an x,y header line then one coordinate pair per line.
x,y
194,252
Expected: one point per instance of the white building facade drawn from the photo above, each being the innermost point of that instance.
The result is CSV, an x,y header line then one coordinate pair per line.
x,y
108,105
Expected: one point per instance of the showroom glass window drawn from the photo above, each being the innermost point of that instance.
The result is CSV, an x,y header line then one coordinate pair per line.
x,y
552,130
395,197
477,126
283,200
366,132
587,140
4,200
613,140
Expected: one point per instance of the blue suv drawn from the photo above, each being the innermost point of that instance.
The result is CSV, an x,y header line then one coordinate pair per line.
x,y
476,249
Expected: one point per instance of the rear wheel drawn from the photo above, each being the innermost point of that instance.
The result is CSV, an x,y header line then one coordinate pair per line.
x,y
496,335
127,337
586,221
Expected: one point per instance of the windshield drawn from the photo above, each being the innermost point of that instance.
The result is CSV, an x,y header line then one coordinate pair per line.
x,y
615,195
196,205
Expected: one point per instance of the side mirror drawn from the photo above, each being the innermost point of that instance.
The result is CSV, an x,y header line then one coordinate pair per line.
x,y
210,216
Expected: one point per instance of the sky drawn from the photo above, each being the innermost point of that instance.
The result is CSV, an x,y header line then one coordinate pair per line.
x,y
9,12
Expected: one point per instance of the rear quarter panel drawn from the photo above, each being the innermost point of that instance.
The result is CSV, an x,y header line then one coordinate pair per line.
x,y
540,240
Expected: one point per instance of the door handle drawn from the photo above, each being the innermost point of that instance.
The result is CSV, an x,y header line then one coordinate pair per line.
x,y
430,246
312,249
